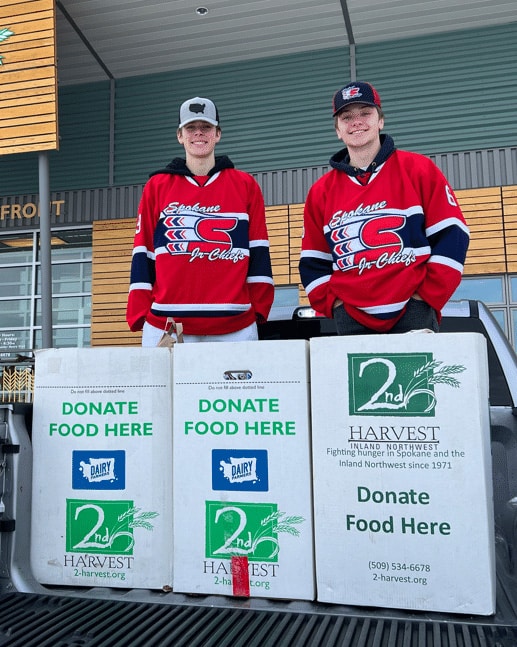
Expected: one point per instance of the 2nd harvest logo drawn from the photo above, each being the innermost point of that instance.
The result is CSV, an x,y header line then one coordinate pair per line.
x,y
247,529
397,384
104,527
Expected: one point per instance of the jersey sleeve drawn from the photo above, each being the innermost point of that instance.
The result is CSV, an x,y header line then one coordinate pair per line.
x,y
260,273
448,236
316,264
142,265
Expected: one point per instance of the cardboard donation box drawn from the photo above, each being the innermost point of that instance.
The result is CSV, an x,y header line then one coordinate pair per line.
x,y
102,439
402,472
241,470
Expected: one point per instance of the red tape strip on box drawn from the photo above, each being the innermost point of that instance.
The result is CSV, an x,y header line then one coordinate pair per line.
x,y
241,577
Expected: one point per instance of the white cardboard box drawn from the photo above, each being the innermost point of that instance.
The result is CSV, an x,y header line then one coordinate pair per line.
x,y
402,472
242,470
102,448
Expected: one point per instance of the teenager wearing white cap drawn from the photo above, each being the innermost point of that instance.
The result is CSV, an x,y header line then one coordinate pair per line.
x,y
201,249
384,238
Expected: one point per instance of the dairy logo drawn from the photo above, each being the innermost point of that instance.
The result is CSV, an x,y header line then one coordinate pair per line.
x,y
242,374
397,384
240,470
247,529
99,470
105,527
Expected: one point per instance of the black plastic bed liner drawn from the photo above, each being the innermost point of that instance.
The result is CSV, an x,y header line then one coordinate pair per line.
x,y
30,620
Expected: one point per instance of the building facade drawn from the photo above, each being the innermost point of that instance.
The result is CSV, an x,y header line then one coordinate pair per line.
x,y
446,96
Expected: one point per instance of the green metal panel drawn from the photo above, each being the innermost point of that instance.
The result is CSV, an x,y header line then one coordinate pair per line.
x,y
275,112
83,156
452,92
18,173
84,136
441,93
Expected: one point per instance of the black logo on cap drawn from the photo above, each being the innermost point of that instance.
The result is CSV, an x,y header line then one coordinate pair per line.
x,y
197,107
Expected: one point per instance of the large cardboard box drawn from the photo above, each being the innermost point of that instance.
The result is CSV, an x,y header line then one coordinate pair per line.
x,y
402,472
242,470
102,439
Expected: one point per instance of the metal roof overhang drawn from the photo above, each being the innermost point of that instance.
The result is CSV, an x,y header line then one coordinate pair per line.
x,y
97,40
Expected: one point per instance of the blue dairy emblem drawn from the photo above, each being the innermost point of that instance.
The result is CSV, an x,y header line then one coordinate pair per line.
x,y
99,470
240,470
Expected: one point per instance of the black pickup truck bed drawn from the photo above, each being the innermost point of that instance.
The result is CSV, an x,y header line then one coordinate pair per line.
x,y
34,615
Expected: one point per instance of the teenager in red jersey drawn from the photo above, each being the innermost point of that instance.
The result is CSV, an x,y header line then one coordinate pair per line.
x,y
201,249
384,239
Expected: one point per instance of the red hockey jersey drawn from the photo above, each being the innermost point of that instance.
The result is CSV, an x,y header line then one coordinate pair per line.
x,y
374,243
201,253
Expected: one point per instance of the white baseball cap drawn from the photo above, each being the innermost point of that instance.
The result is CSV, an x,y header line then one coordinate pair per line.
x,y
198,109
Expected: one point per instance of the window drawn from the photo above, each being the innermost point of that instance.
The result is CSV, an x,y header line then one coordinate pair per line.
x,y
286,296
20,289
487,289
499,293
15,281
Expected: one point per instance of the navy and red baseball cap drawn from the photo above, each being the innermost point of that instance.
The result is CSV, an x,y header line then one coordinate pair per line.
x,y
355,92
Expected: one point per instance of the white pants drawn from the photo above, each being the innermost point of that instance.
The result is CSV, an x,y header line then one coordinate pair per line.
x,y
152,335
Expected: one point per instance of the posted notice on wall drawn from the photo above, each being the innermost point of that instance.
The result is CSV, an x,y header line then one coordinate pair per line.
x,y
102,448
242,470
402,472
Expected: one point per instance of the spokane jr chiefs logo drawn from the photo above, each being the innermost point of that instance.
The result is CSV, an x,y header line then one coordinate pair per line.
x,y
368,238
202,232
351,93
